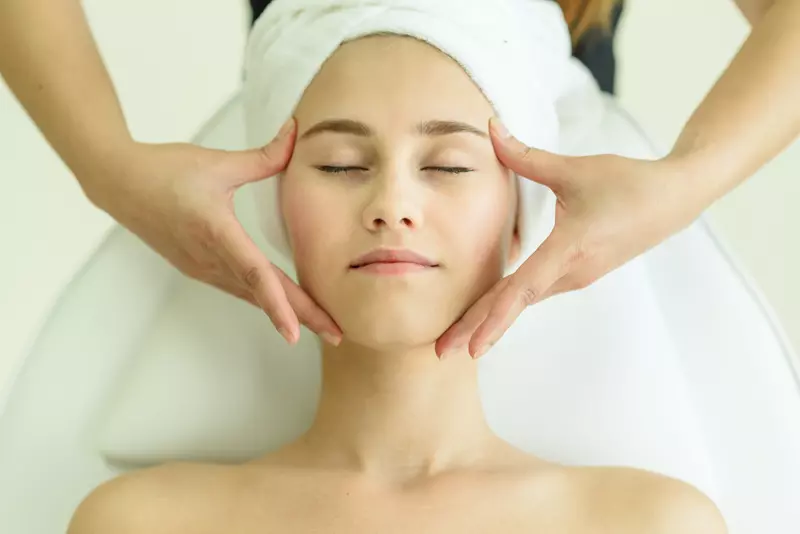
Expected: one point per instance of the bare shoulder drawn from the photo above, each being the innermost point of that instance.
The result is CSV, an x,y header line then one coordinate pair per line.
x,y
164,499
641,501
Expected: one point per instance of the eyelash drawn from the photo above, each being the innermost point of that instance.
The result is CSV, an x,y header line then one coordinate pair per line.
x,y
332,169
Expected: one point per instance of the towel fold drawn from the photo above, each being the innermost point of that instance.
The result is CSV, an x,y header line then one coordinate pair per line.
x,y
516,51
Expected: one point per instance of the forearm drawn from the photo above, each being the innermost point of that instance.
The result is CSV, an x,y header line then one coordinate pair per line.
x,y
751,113
51,63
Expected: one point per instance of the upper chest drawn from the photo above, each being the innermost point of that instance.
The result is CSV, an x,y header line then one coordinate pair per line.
x,y
507,506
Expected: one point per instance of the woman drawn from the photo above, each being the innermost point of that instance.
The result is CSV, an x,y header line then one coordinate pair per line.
x,y
750,115
395,229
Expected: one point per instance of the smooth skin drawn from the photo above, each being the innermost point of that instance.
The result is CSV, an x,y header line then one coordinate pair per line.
x,y
513,499
400,442
169,195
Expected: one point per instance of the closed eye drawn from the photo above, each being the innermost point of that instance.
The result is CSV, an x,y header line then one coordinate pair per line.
x,y
333,169
451,170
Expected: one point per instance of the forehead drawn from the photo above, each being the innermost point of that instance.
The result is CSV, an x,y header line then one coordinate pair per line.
x,y
392,81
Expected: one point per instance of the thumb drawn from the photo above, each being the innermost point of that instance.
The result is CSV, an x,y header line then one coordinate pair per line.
x,y
540,166
257,164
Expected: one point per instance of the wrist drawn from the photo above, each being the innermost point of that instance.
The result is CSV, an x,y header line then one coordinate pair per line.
x,y
702,176
685,192
99,168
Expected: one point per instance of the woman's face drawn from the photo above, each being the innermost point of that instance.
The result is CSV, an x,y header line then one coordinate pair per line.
x,y
393,154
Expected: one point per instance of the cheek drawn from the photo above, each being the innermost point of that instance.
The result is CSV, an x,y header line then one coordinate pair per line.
x,y
480,224
306,213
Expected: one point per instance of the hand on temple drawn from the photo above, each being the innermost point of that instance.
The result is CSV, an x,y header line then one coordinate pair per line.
x,y
609,210
178,198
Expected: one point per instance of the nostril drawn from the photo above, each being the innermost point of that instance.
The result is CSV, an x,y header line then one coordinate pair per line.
x,y
382,223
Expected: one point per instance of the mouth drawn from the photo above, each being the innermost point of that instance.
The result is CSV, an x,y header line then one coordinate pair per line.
x,y
392,261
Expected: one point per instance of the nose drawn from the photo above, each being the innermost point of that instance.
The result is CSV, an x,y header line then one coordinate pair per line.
x,y
395,203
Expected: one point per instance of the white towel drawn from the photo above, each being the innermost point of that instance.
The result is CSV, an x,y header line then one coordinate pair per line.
x,y
516,51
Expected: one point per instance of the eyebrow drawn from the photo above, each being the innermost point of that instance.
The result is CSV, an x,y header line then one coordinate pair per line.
x,y
430,128
345,126
435,128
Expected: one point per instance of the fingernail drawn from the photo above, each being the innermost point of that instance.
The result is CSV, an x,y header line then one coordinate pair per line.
x,y
286,335
331,339
286,128
481,351
449,352
500,129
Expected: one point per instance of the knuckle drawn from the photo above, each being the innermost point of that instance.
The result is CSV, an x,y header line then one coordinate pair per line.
x,y
251,277
265,152
529,295
206,243
269,152
203,233
579,254
576,257
210,233
526,153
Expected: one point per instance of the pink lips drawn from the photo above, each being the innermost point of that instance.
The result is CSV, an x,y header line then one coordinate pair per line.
x,y
392,261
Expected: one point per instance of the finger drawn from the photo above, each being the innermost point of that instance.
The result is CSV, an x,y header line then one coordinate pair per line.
x,y
309,312
506,308
579,278
220,278
526,287
540,166
244,295
460,332
235,290
556,289
257,275
259,163
562,285
227,281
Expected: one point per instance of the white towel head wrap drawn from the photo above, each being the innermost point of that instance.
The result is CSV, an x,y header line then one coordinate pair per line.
x,y
514,50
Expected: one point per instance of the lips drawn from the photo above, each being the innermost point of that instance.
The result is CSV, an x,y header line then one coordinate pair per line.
x,y
389,256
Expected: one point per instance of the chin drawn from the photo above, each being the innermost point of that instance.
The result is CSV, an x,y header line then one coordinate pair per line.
x,y
391,328
396,313
380,342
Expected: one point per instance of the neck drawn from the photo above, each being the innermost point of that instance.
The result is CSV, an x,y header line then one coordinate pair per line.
x,y
398,414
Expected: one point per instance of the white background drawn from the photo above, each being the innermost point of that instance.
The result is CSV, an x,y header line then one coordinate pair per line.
x,y
174,62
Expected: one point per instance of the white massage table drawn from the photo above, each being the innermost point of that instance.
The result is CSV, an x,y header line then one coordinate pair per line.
x,y
671,363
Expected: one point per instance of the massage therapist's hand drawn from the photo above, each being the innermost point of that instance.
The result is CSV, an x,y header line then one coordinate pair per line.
x,y
178,198
609,210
